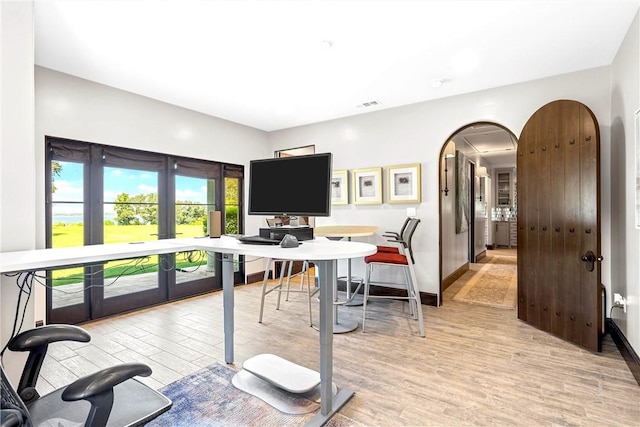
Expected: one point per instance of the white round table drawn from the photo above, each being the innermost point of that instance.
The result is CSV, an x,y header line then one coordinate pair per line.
x,y
338,232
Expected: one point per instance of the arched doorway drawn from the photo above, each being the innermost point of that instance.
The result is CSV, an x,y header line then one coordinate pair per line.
x,y
478,199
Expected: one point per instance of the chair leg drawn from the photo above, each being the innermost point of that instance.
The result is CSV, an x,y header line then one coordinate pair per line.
x,y
412,307
416,294
367,277
307,274
305,269
413,296
264,287
282,268
286,298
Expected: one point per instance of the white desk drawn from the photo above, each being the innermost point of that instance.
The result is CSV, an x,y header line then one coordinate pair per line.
x,y
324,254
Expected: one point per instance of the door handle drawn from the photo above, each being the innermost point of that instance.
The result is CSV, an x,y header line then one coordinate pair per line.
x,y
590,258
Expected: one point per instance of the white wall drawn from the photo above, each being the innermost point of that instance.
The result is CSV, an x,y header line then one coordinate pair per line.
x,y
454,244
74,108
625,253
416,133
17,163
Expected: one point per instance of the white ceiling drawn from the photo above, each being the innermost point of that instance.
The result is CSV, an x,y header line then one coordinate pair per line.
x,y
488,145
278,64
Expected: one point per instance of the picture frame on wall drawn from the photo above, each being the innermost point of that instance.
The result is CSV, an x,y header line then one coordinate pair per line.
x,y
367,186
404,184
340,187
462,193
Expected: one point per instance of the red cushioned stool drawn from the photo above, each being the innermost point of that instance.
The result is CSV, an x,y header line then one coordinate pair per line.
x,y
401,257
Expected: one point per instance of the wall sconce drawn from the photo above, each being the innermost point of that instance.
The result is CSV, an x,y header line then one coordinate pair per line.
x,y
449,152
481,172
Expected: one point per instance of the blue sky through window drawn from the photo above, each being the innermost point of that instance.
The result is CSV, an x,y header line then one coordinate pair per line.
x,y
69,188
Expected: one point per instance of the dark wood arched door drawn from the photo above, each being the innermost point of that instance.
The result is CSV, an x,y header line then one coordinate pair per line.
x,y
559,223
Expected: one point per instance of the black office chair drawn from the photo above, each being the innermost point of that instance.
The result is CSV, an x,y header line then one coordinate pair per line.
x,y
109,397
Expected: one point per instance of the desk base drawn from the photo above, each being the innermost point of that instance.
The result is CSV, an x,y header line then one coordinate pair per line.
x,y
344,326
356,300
353,298
283,401
339,400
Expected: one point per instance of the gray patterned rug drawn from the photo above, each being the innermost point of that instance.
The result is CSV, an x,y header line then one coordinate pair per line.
x,y
208,398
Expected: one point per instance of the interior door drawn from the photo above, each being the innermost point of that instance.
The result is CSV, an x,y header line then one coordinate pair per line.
x,y
559,223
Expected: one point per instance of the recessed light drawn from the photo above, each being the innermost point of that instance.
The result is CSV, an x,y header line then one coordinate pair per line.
x,y
435,83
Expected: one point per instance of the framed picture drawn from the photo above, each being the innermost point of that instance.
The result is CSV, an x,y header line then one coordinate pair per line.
x,y
462,193
340,187
403,184
367,186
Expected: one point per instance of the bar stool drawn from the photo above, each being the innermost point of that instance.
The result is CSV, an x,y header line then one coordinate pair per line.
x,y
404,260
287,265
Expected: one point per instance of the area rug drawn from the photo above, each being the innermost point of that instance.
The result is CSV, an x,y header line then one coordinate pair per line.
x,y
208,398
493,284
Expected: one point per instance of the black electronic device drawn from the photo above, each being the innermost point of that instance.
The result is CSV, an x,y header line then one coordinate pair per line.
x,y
278,233
294,186
258,240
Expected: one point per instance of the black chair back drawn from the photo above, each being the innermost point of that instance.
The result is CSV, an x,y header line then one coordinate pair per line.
x,y
13,412
407,236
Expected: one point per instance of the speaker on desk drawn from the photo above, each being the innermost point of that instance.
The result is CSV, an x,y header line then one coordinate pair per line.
x,y
215,224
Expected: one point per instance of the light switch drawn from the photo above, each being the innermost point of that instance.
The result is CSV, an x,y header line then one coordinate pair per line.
x,y
411,212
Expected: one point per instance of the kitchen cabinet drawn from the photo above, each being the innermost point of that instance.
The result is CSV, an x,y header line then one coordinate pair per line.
x,y
503,188
502,233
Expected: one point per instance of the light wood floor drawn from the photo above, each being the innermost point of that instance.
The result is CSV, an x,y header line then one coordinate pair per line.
x,y
477,365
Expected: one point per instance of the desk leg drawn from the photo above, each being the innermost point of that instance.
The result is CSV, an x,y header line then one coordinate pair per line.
x,y
228,305
329,405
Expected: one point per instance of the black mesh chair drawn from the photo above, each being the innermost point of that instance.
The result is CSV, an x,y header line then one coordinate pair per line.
x,y
109,397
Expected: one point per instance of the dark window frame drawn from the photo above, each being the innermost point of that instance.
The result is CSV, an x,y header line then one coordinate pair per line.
x,y
95,157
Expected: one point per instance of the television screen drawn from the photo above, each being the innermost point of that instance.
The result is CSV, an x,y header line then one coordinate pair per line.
x,y
297,186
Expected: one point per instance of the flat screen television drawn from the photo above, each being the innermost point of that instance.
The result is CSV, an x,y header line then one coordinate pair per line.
x,y
294,186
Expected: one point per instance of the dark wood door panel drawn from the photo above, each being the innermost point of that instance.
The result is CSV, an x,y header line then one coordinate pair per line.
x,y
558,222
589,195
557,230
524,176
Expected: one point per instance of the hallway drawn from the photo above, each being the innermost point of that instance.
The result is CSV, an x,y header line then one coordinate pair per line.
x,y
491,282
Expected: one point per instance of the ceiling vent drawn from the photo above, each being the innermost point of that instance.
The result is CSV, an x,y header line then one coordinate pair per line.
x,y
368,104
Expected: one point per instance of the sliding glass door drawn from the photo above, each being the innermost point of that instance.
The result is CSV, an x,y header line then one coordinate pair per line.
x,y
130,214
101,194
67,293
194,200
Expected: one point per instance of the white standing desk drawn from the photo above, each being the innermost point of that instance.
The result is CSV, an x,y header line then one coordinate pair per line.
x,y
324,254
